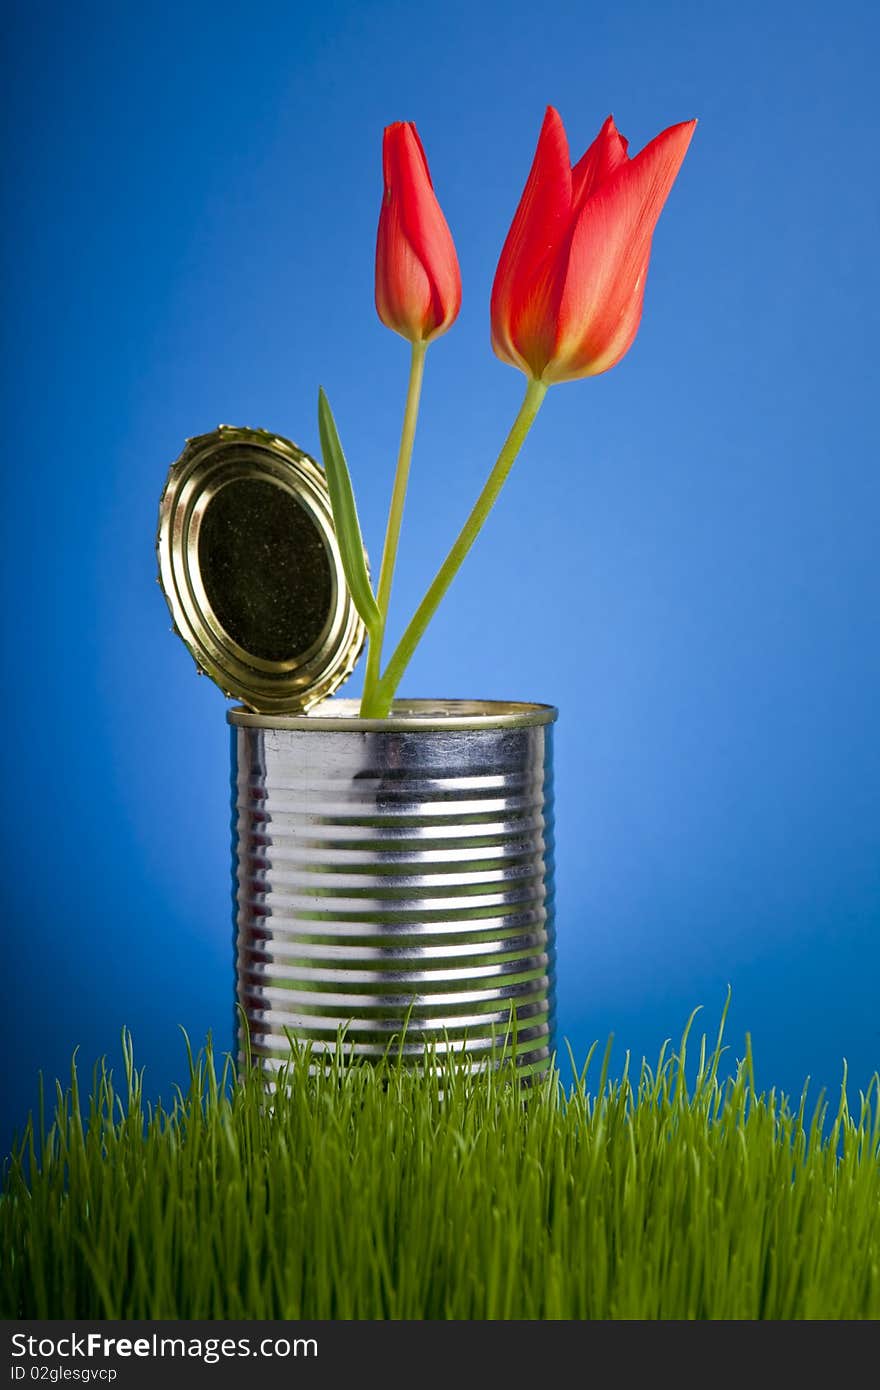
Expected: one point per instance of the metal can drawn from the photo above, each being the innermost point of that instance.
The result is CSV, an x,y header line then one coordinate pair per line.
x,y
393,881
393,877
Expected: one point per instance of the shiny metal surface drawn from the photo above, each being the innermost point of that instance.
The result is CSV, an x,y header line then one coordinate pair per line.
x,y
250,567
396,872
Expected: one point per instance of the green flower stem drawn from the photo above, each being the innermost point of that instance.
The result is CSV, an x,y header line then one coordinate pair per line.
x,y
380,701
395,517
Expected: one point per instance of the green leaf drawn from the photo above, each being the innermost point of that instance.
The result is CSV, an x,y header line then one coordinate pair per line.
x,y
345,517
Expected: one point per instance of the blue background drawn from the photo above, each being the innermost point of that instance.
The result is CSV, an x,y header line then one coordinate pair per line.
x,y
685,559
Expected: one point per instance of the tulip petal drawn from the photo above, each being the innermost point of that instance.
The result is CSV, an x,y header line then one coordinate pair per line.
x,y
411,126
602,271
403,291
621,338
523,280
418,257
605,155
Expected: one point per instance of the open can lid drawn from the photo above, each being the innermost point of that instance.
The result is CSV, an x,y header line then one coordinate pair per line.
x,y
250,567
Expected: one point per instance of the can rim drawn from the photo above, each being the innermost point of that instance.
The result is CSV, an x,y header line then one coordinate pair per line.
x,y
423,716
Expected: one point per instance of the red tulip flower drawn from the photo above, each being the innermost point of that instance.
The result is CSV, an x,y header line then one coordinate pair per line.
x,y
567,297
566,303
418,283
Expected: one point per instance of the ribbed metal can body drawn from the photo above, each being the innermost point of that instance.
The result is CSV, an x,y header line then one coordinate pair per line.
x,y
395,878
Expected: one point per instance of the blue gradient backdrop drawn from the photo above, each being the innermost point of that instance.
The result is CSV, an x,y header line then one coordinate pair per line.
x,y
685,559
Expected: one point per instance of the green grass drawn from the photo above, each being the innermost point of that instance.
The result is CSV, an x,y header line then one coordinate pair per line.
x,y
374,1192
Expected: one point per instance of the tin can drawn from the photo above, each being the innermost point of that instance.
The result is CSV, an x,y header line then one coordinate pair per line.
x,y
393,877
393,881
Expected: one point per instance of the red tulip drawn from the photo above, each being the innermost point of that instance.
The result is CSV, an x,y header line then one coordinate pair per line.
x,y
418,283
567,297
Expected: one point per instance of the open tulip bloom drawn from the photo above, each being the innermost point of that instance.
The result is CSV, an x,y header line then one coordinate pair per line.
x,y
566,303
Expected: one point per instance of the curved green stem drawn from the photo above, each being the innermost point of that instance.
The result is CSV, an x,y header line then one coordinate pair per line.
x,y
395,518
381,697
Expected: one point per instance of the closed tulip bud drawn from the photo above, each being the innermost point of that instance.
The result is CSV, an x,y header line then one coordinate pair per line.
x,y
418,282
567,297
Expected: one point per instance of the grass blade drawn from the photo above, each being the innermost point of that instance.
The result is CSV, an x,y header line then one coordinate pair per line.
x,y
384,1190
